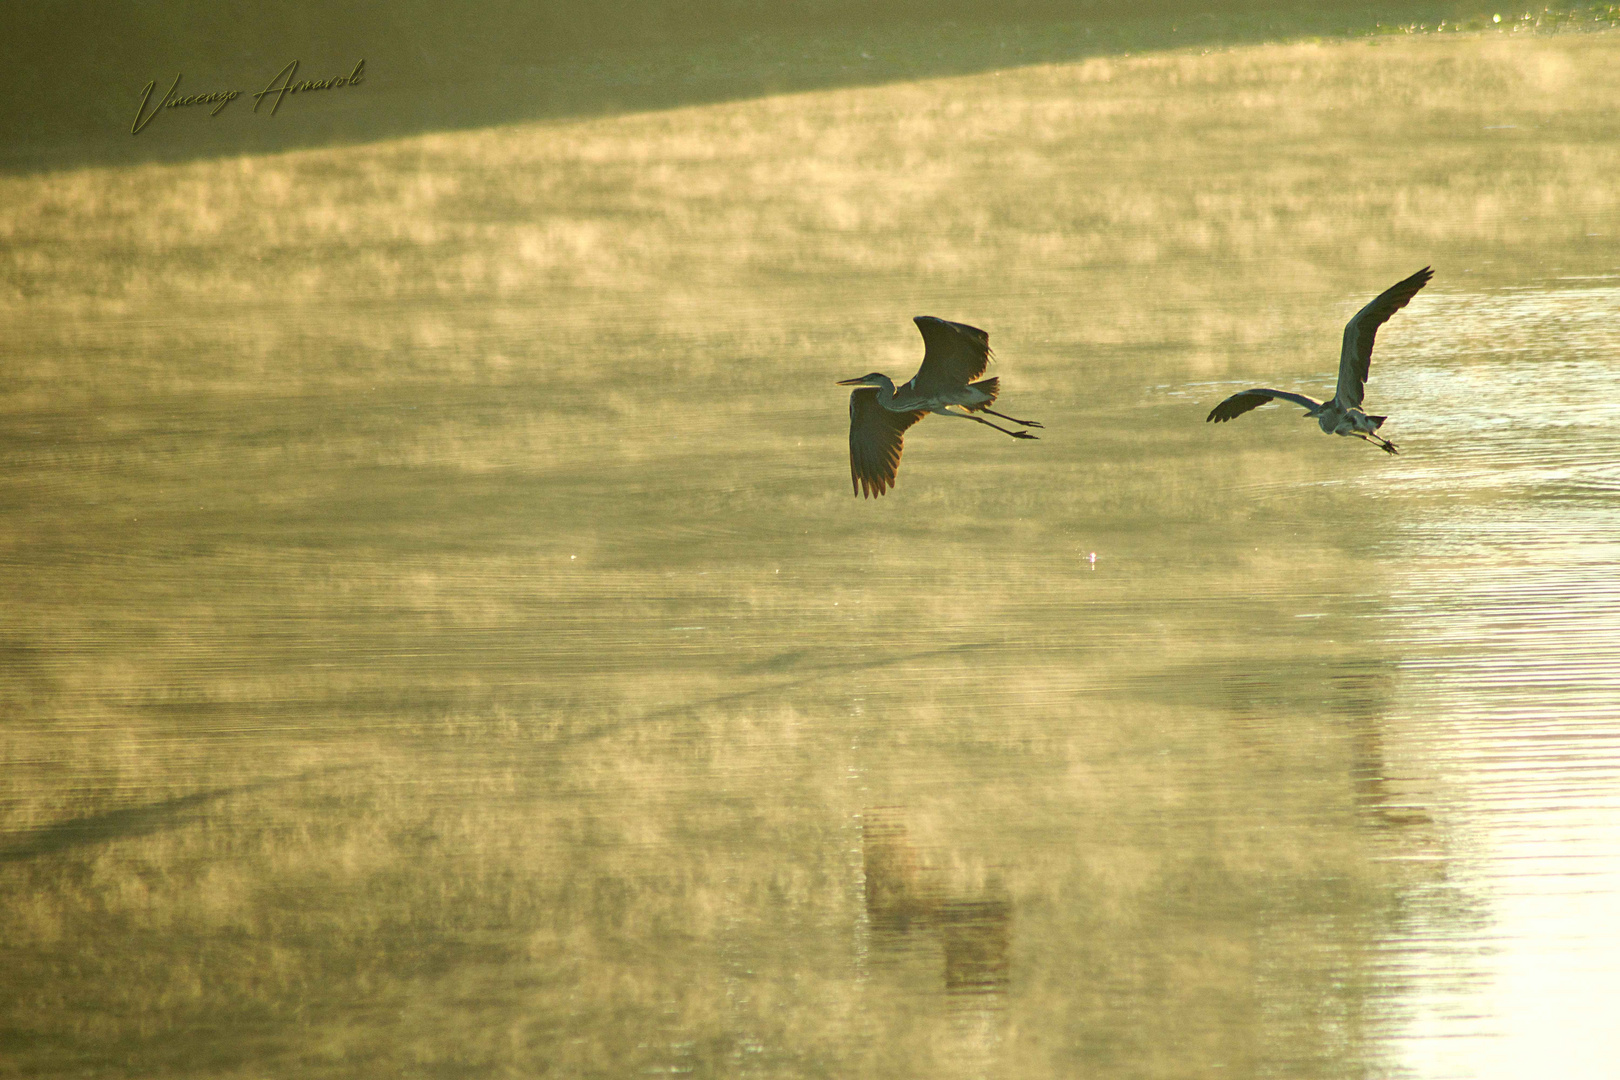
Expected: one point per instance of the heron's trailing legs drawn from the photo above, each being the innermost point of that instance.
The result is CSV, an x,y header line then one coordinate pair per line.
x,y
1382,443
1014,419
986,423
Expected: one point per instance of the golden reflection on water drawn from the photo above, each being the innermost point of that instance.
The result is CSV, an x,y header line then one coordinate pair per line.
x,y
439,636
1509,618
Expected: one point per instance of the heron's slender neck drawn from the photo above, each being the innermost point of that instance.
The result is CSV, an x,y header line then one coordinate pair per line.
x,y
896,399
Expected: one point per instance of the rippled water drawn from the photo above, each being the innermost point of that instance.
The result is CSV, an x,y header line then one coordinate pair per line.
x,y
1510,613
440,637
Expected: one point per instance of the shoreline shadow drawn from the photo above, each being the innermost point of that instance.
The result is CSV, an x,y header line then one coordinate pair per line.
x,y
132,821
75,101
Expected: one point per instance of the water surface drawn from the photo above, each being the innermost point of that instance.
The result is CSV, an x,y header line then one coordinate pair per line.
x,y
440,637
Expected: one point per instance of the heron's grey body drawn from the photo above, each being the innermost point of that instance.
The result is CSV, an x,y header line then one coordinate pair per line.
x,y
1342,413
880,412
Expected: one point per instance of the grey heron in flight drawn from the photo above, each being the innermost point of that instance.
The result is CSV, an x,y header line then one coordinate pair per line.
x,y
880,413
1341,414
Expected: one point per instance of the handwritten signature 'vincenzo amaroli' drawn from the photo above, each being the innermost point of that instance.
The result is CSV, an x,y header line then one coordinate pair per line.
x,y
283,84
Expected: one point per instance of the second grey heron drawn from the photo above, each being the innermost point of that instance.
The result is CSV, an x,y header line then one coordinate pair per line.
x,y
1341,414
880,412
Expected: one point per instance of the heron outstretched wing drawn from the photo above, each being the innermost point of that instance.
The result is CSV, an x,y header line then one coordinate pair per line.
x,y
1240,403
953,354
1355,360
875,436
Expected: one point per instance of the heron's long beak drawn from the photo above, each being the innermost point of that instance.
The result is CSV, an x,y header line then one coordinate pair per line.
x,y
849,382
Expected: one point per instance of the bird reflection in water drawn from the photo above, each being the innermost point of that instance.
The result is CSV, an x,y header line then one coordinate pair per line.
x,y
906,893
1384,800
977,938
1386,795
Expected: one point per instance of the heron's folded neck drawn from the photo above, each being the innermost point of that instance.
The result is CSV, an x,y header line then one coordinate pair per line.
x,y
887,393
